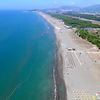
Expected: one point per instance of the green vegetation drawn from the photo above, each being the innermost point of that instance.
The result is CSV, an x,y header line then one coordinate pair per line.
x,y
81,25
86,16
75,22
94,39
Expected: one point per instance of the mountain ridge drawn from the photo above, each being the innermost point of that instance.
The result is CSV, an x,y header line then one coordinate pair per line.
x,y
90,9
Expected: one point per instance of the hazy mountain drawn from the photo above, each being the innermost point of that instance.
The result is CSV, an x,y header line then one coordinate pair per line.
x,y
90,9
70,8
63,9
94,8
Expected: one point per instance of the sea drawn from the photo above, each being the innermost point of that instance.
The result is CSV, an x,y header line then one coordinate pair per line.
x,y
27,56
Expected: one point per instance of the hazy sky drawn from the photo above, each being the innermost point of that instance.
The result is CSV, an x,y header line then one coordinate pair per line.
x,y
29,4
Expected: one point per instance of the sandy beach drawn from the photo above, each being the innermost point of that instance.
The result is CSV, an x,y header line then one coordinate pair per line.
x,y
80,63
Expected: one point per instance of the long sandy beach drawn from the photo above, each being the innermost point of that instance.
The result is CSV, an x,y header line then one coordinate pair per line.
x,y
80,62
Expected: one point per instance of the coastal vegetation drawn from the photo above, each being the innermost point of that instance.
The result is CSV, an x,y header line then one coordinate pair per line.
x,y
86,16
74,22
81,28
94,39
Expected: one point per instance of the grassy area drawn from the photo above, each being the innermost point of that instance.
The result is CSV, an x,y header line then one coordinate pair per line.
x,y
80,25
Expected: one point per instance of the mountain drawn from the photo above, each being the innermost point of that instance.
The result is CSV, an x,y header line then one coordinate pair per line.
x,y
90,9
70,8
63,9
94,9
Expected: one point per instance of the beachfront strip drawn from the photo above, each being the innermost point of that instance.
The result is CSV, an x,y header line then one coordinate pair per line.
x,y
81,62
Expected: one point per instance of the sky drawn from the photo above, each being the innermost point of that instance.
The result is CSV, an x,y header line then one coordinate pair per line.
x,y
32,4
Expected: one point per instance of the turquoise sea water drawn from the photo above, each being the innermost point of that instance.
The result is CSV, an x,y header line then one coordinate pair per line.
x,y
27,50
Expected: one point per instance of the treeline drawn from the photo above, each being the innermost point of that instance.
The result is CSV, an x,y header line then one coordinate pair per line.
x,y
94,39
86,16
75,22
81,25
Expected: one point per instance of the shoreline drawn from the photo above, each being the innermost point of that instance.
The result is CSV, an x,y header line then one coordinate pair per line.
x,y
59,83
78,70
61,87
